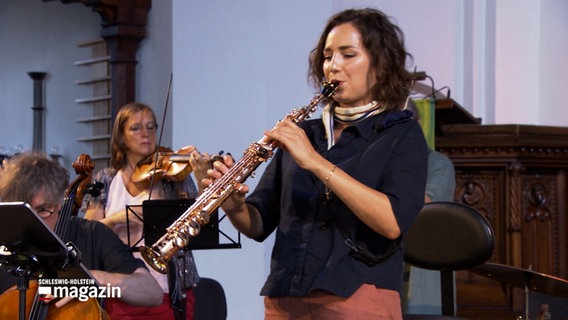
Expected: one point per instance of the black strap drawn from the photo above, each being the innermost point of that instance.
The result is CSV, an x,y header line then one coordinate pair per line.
x,y
367,257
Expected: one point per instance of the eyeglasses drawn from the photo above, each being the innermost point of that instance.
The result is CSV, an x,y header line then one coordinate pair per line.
x,y
138,127
45,212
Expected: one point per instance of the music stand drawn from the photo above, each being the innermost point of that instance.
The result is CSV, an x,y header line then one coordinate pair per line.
x,y
160,214
30,249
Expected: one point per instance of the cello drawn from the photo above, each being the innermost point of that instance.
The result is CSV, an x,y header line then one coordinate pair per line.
x,y
35,308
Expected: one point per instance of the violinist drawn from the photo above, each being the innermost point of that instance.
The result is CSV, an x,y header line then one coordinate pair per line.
x,y
41,182
133,142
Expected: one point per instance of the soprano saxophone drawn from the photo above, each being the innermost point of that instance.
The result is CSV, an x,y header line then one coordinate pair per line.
x,y
188,225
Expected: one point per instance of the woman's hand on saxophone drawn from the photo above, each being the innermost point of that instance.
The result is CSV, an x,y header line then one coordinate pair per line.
x,y
293,139
237,198
200,163
245,218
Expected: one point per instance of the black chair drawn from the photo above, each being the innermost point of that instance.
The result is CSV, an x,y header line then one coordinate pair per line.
x,y
210,300
447,236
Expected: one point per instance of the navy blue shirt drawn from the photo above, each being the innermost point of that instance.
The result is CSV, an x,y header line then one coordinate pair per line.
x,y
386,152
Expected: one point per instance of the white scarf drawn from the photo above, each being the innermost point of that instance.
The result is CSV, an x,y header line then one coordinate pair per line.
x,y
346,115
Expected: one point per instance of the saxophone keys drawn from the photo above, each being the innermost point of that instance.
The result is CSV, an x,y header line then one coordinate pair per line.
x,y
193,228
181,240
202,218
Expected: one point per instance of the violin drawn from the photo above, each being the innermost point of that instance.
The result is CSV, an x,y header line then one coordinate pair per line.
x,y
163,165
166,165
35,308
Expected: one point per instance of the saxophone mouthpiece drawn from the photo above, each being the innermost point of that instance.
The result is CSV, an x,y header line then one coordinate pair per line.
x,y
328,88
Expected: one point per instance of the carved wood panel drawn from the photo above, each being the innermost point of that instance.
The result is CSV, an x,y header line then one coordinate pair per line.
x,y
479,187
540,226
515,176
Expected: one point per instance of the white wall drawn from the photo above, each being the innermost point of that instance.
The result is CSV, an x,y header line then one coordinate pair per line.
x,y
553,76
43,36
154,66
519,72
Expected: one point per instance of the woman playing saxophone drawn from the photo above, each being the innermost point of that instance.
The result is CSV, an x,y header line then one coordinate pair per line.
x,y
341,191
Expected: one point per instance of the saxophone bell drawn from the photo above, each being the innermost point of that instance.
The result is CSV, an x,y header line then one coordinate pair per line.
x,y
155,258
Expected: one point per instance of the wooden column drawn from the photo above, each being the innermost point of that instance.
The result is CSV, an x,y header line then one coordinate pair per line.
x,y
123,27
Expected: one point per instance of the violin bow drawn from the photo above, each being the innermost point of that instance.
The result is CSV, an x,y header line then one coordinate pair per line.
x,y
161,133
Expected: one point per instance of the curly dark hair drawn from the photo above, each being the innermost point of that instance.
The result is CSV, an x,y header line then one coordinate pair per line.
x,y
384,42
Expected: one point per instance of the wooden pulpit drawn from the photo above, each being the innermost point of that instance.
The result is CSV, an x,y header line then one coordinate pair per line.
x,y
516,176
